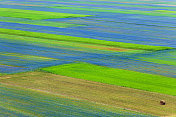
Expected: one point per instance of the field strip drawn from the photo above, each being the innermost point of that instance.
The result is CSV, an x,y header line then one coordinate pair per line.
x,y
128,3
27,101
11,65
99,3
68,44
38,22
114,76
163,13
82,40
119,4
159,60
142,101
35,15
26,57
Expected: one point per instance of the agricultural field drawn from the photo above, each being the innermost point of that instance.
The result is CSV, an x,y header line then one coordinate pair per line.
x,y
87,58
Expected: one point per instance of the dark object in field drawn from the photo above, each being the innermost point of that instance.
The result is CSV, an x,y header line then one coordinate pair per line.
x,y
162,102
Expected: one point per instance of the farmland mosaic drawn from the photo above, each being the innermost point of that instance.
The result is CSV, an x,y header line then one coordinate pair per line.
x,y
87,58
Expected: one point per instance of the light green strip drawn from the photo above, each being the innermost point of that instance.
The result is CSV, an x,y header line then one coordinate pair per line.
x,y
82,40
35,15
165,11
114,76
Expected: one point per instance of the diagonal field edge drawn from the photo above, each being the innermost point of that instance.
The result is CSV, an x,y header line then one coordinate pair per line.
x,y
82,40
114,76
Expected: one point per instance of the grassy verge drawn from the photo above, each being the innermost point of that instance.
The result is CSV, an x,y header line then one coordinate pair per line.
x,y
111,95
82,40
35,15
119,77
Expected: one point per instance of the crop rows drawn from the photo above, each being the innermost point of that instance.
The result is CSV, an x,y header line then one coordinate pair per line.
x,y
128,45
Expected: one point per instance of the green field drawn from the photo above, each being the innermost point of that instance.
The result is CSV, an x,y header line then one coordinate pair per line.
x,y
35,15
82,40
87,58
138,100
120,77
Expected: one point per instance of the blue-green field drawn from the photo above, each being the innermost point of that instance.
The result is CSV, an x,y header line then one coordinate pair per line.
x,y
120,43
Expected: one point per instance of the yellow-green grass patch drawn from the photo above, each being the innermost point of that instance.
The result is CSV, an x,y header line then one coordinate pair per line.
x,y
35,15
114,76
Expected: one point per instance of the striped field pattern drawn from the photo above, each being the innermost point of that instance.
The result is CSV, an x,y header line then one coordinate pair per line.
x,y
126,43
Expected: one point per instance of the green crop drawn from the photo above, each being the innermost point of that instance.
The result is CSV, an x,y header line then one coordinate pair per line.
x,y
120,77
82,40
35,15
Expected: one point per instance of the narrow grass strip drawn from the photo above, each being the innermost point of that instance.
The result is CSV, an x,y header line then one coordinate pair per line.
x,y
82,40
35,15
119,77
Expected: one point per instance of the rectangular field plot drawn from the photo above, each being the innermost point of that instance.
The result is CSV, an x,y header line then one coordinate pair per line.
x,y
116,96
16,102
35,15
